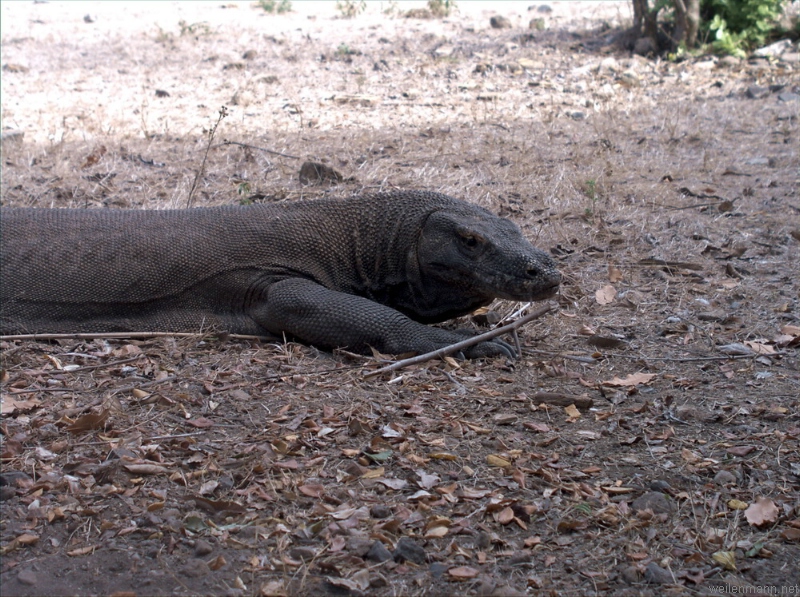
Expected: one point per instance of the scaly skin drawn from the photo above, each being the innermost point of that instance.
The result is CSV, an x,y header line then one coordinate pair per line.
x,y
367,271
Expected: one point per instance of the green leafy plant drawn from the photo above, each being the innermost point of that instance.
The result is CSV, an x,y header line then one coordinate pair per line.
x,y
736,26
243,188
391,9
351,8
275,6
197,29
441,8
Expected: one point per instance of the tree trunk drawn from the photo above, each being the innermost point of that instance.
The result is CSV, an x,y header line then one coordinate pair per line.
x,y
692,22
687,21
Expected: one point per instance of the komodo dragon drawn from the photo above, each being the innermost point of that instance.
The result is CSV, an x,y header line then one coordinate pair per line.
x,y
359,272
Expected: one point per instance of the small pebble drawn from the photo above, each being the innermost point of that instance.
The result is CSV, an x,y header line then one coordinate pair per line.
x,y
27,577
657,575
379,553
409,550
202,548
725,478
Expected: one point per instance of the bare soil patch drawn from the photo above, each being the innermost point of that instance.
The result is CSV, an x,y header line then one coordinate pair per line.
x,y
198,465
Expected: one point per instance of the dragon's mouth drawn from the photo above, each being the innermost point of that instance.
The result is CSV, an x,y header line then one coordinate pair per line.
x,y
515,288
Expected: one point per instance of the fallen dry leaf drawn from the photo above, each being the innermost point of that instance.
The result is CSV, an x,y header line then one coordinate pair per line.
x,y
146,469
200,423
463,572
614,274
726,559
314,490
791,330
495,460
761,512
759,348
634,379
82,551
605,295
8,405
27,539
572,412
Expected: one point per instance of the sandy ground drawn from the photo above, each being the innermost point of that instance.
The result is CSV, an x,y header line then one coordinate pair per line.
x,y
667,192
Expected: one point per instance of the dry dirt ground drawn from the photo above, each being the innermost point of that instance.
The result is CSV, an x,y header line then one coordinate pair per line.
x,y
668,192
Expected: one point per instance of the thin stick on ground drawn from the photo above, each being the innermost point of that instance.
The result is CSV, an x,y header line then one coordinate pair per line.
x,y
441,352
135,335
223,112
248,146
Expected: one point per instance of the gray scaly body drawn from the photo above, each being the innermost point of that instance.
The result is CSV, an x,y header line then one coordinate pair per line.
x,y
359,272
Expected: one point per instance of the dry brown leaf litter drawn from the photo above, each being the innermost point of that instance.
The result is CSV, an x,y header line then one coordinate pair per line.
x,y
198,465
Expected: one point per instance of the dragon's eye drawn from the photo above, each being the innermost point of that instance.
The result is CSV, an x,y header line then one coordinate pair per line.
x,y
470,239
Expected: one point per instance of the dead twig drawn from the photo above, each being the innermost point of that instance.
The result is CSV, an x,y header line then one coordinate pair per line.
x,y
101,365
144,439
441,352
132,335
223,112
248,146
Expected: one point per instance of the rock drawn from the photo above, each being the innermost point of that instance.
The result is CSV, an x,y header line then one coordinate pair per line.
x,y
379,553
14,68
644,46
437,569
608,64
315,173
359,545
444,51
688,413
11,136
544,8
500,22
378,581
202,548
630,79
243,97
725,478
483,541
776,49
519,557
659,485
653,500
195,569
506,591
486,586
728,62
537,24
303,553
15,478
380,511
657,575
27,577
788,97
756,92
630,574
250,54
758,65
409,550
790,57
